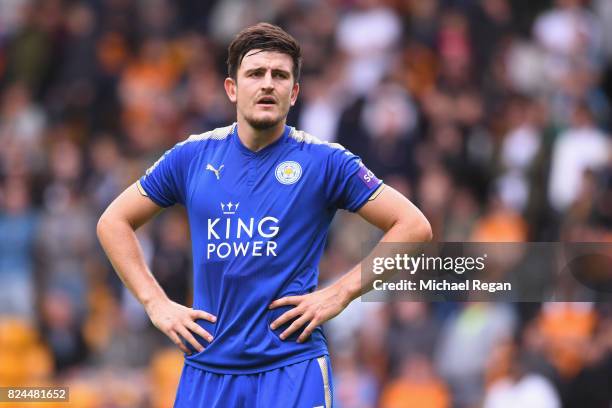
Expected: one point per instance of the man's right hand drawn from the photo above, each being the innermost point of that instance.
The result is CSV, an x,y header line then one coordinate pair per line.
x,y
116,232
177,321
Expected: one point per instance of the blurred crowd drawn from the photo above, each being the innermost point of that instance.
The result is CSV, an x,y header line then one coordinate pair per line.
x,y
493,116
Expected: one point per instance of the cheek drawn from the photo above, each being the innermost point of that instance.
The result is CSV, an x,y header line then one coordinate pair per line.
x,y
286,96
245,93
241,99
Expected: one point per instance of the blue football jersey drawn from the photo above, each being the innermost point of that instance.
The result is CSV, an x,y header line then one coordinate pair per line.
x,y
258,221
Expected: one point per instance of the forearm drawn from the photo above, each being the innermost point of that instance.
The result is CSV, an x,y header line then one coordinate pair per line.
x,y
122,248
402,223
352,284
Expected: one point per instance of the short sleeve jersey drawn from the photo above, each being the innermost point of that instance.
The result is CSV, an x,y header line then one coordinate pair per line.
x,y
259,222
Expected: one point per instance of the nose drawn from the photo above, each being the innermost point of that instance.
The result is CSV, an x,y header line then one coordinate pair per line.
x,y
267,82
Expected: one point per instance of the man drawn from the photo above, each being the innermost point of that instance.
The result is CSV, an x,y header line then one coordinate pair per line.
x,y
260,197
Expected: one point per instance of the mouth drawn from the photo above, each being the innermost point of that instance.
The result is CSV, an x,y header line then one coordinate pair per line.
x,y
266,101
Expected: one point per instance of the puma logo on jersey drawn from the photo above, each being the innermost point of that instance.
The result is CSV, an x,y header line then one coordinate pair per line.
x,y
216,171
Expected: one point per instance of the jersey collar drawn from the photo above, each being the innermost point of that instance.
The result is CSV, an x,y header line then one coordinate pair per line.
x,y
266,149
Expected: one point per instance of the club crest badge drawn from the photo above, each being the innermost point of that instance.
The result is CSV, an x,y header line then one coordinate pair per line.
x,y
288,172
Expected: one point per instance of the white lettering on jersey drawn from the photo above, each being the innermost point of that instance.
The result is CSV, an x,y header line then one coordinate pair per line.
x,y
272,231
211,228
235,228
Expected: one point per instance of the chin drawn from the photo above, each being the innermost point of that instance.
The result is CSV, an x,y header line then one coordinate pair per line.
x,y
263,123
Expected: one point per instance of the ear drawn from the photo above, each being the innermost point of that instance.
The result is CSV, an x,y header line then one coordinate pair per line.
x,y
230,89
294,93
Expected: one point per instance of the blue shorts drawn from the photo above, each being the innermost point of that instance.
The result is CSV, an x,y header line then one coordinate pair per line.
x,y
306,384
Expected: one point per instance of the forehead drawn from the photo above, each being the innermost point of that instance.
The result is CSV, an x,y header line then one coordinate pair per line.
x,y
254,59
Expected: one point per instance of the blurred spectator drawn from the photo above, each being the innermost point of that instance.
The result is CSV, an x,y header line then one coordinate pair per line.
x,y
380,129
603,9
434,191
21,131
11,15
521,66
422,21
581,147
500,224
172,261
417,386
79,69
61,326
460,219
417,69
567,328
65,238
455,49
514,379
106,179
29,49
520,147
367,34
568,32
322,104
474,330
523,390
412,331
145,92
591,386
491,22
18,228
206,104
354,385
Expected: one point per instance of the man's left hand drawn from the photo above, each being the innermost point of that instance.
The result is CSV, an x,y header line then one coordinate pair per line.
x,y
314,308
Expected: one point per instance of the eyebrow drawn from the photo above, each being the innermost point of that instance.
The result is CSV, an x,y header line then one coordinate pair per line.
x,y
262,69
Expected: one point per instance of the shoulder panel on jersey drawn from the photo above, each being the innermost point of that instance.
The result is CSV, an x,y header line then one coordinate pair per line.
x,y
307,138
215,134
154,165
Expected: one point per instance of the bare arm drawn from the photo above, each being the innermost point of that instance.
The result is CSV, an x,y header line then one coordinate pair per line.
x,y
401,221
116,232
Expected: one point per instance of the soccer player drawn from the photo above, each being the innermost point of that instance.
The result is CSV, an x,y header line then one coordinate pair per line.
x,y
260,197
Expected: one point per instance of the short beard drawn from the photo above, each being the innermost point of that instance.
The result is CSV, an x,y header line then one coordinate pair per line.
x,y
263,124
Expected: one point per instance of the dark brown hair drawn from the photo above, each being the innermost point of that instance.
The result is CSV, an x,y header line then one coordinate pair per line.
x,y
266,37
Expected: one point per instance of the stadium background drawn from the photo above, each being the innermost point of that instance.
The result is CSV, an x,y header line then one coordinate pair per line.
x,y
492,115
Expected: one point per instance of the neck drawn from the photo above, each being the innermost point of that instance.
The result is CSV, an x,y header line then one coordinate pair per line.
x,y
256,139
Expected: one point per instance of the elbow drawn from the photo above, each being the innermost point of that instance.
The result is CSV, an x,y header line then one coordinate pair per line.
x,y
420,230
424,231
102,226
